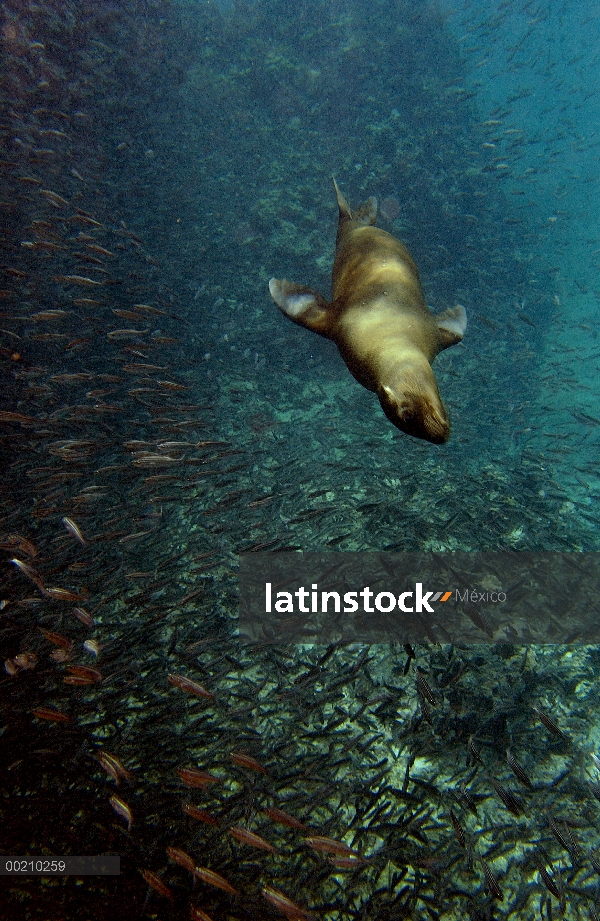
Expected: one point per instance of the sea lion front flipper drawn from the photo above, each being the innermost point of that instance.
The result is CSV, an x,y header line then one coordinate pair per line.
x,y
301,304
452,324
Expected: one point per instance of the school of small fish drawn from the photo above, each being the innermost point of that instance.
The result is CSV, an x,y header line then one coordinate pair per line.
x,y
145,441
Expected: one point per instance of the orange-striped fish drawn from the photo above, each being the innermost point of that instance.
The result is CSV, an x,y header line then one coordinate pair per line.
x,y
57,638
46,315
7,416
192,687
74,529
84,219
290,909
244,836
113,767
84,616
126,314
347,863
100,250
192,777
17,542
63,594
30,572
48,132
77,681
122,809
171,385
202,815
330,846
146,308
157,884
196,914
278,815
125,333
214,879
247,761
77,280
51,714
184,860
85,671
57,200
92,646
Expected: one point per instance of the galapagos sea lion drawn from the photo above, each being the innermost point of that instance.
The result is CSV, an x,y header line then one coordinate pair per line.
x,y
379,321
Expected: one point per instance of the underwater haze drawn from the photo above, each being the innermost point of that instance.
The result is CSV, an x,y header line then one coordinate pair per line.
x,y
160,162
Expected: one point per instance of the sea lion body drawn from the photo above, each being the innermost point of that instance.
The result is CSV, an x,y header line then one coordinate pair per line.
x,y
380,321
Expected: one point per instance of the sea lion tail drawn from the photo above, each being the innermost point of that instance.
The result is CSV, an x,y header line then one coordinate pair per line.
x,y
365,214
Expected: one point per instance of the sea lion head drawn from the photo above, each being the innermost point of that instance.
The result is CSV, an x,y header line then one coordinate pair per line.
x,y
411,400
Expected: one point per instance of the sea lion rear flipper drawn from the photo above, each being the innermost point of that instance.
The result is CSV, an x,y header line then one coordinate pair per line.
x,y
452,324
301,304
364,214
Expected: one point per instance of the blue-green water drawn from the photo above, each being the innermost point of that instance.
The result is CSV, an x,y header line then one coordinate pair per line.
x,y
160,162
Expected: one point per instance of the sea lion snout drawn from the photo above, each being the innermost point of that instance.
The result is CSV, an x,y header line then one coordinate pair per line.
x,y
415,407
